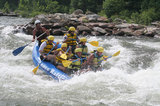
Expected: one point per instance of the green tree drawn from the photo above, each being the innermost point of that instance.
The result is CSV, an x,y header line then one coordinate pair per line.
x,y
113,7
6,8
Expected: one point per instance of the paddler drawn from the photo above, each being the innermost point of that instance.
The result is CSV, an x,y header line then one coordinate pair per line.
x,y
95,59
46,47
77,62
71,38
39,32
83,46
62,54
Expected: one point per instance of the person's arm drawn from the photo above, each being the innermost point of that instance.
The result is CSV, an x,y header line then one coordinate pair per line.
x,y
45,30
65,39
89,60
42,46
77,39
34,35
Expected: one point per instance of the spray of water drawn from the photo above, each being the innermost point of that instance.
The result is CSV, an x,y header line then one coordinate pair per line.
x,y
129,79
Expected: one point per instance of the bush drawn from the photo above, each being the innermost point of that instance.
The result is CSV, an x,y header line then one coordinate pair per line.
x,y
6,8
148,16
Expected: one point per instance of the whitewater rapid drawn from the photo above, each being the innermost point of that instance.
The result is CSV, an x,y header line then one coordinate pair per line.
x,y
129,79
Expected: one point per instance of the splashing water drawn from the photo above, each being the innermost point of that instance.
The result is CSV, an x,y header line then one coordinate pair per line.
x,y
129,79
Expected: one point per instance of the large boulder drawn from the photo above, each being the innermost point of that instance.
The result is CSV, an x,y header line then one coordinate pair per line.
x,y
82,28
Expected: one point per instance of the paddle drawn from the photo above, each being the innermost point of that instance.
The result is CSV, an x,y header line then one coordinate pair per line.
x,y
20,49
107,57
35,69
64,55
94,43
66,63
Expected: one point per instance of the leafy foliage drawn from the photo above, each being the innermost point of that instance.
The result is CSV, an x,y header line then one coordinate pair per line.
x,y
139,11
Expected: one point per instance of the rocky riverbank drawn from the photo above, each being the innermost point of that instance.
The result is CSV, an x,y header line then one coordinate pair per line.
x,y
91,24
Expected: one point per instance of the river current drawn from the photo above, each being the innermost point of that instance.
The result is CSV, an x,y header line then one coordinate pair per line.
x,y
130,79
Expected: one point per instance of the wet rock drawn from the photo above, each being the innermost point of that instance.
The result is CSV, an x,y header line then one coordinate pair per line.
x,y
82,28
57,32
100,30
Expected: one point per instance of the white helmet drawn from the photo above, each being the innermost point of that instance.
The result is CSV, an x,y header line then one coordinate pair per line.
x,y
37,22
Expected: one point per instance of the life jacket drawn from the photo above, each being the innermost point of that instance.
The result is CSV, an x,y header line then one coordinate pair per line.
x,y
76,65
84,50
58,58
48,47
71,39
97,59
38,33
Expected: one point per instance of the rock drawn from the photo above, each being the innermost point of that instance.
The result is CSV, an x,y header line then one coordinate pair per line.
x,y
28,29
1,13
127,31
102,19
57,25
100,30
92,18
94,33
77,12
47,26
138,32
82,28
57,32
156,24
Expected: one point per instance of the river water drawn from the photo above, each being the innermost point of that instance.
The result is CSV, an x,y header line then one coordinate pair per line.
x,y
129,79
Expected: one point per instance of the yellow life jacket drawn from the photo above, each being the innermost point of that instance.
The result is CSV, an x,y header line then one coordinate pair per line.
x,y
84,50
71,39
48,47
75,65
97,59
58,58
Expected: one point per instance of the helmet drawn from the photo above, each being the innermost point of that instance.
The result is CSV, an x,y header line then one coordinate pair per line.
x,y
51,37
37,22
100,49
64,45
83,39
72,29
78,50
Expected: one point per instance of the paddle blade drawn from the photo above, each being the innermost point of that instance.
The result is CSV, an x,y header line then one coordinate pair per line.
x,y
64,56
94,43
18,50
116,54
105,57
66,63
35,69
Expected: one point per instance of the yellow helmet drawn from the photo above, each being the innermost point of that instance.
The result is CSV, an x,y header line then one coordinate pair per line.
x,y
64,45
100,49
51,37
72,29
83,39
78,50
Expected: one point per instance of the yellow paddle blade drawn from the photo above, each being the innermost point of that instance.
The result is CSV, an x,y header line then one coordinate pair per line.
x,y
35,69
66,63
116,54
64,56
94,43
105,57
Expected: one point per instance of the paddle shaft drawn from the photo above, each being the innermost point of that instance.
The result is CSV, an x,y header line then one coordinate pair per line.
x,y
35,69
19,50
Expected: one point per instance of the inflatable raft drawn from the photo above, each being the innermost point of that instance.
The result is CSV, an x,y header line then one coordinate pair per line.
x,y
47,67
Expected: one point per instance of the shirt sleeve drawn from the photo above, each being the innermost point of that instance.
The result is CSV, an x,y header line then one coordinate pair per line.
x,y
65,37
43,45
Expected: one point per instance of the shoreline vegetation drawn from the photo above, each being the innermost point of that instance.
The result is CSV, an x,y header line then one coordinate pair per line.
x,y
133,11
94,17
